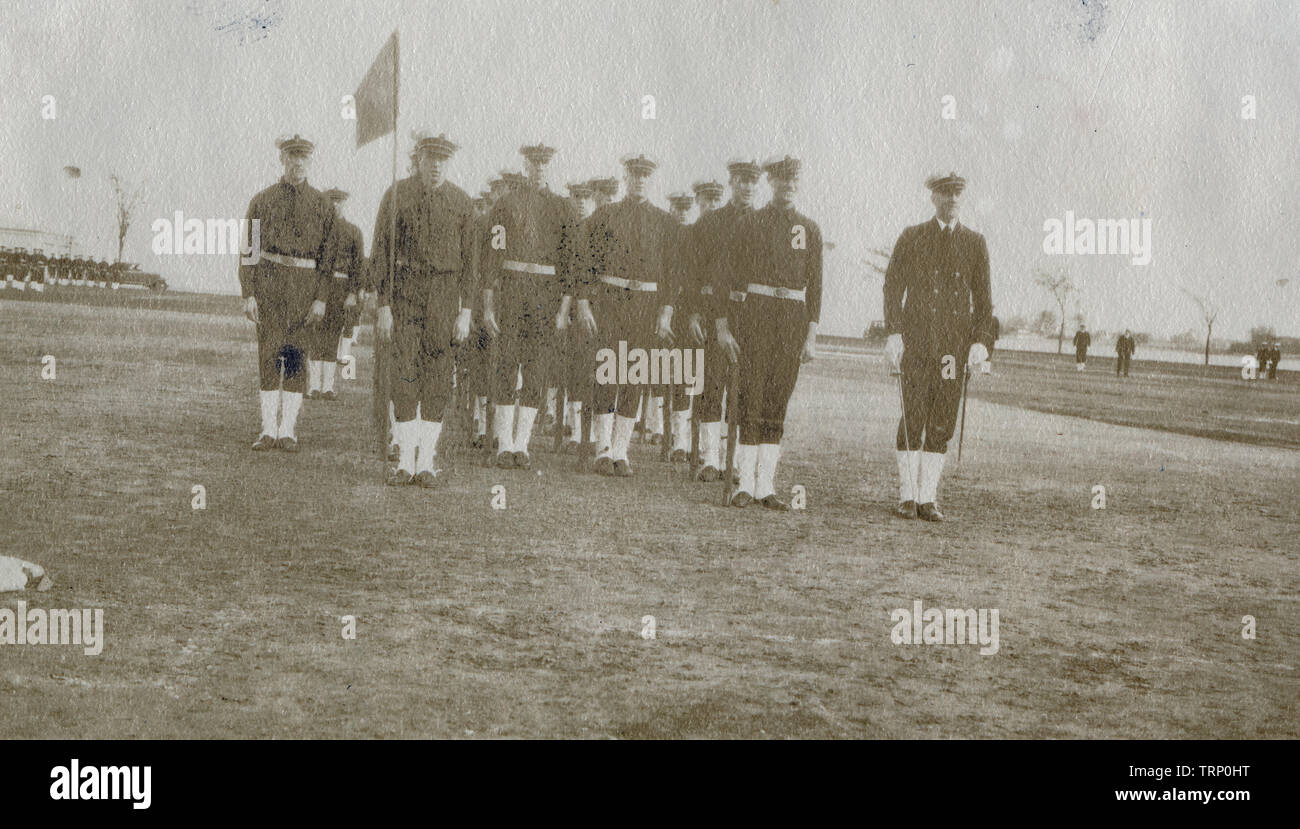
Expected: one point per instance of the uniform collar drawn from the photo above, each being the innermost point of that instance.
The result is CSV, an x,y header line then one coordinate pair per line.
x,y
942,226
296,188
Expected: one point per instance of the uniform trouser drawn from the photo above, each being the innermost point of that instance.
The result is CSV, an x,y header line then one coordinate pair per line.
x,y
708,404
326,335
1080,356
422,358
622,316
772,333
578,359
282,329
380,395
930,402
1121,365
526,346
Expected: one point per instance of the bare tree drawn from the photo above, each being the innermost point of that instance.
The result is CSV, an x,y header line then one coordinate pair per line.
x,y
1209,313
1060,286
128,199
881,253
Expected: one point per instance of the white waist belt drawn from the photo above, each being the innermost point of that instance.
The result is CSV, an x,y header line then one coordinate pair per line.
x,y
290,261
779,293
737,296
707,290
630,284
340,275
528,267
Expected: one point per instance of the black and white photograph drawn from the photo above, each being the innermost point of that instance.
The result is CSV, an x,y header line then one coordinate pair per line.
x,y
586,370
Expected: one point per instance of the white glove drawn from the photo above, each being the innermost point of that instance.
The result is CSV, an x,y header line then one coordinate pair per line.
x,y
894,350
978,354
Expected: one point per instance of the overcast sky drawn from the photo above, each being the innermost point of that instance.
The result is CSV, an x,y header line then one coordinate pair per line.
x,y
1119,109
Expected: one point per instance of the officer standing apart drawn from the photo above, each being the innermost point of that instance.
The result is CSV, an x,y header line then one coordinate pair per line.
x,y
1124,347
1082,339
776,260
527,291
712,238
286,290
424,301
346,257
937,312
629,244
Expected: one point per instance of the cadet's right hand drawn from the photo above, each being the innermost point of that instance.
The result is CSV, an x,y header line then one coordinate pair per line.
x,y
250,309
586,320
384,323
894,351
697,329
729,346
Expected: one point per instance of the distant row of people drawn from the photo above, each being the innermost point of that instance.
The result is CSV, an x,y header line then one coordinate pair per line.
x,y
22,265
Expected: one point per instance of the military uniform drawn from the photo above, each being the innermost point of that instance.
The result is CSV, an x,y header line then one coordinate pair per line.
x,y
782,287
1082,340
528,279
346,254
630,244
936,296
291,275
434,273
707,292
1124,347
679,405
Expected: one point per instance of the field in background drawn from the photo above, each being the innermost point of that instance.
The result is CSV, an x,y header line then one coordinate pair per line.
x,y
473,622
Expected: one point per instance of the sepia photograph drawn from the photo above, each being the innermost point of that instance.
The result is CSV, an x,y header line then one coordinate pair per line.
x,y
585,370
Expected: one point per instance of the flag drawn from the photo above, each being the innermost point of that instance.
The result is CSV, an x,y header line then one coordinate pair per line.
x,y
376,97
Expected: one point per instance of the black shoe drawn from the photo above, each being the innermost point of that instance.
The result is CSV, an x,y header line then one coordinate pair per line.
x,y
393,453
570,447
653,438
604,465
428,480
678,456
477,442
398,477
328,395
314,394
506,460
522,461
740,499
622,469
708,475
906,509
774,503
287,445
929,512
264,443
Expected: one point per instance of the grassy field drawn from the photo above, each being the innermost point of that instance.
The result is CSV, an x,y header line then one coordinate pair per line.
x,y
475,622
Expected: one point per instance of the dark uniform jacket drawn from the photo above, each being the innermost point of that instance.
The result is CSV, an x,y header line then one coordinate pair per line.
x,y
436,251
937,291
347,256
298,222
762,252
632,240
709,251
1124,346
1082,339
541,228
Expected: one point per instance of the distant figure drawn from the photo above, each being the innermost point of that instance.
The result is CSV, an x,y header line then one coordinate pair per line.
x,y
1262,354
1081,342
1124,347
1275,357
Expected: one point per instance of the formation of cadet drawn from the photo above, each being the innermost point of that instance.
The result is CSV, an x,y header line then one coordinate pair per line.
x,y
938,313
1082,339
23,268
1124,348
507,298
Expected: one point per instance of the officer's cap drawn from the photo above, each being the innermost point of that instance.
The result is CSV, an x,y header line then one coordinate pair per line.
x,y
639,163
744,165
939,181
537,153
335,194
707,190
605,186
681,201
515,180
782,167
580,190
436,145
295,144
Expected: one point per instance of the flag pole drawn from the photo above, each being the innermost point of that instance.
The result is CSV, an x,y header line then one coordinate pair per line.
x,y
392,212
